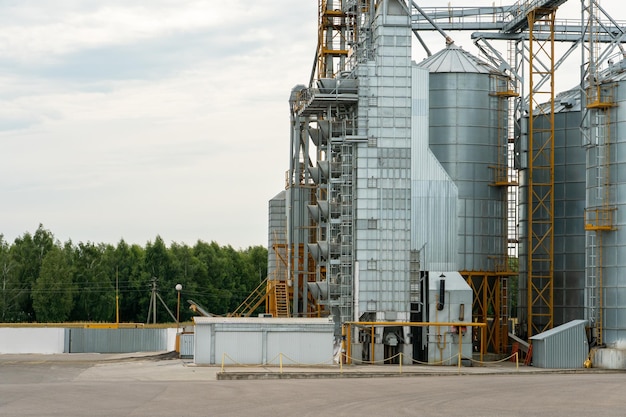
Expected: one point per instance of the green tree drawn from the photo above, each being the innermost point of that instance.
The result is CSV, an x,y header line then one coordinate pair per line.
x,y
27,254
94,281
158,263
133,282
53,293
187,271
9,285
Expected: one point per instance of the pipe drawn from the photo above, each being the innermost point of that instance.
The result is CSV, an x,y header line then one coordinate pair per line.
x,y
449,40
442,293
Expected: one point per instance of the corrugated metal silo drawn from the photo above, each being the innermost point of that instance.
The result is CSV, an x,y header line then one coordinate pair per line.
x,y
608,126
468,137
569,204
277,230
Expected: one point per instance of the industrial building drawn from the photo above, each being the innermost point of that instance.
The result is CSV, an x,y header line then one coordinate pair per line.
x,y
414,187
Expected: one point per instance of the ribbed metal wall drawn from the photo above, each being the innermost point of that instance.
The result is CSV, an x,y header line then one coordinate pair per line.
x,y
383,180
571,184
186,345
464,138
562,347
117,340
614,243
277,229
302,341
569,204
434,194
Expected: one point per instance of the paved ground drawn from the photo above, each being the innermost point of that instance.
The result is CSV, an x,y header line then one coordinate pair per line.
x,y
140,385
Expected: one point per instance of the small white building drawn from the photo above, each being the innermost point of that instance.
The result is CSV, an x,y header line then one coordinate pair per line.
x,y
259,340
449,300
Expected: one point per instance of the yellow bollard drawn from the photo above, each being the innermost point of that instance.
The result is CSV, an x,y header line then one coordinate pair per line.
x,y
280,358
223,355
400,362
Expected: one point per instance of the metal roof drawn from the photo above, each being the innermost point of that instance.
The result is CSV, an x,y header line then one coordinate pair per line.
x,y
454,59
262,320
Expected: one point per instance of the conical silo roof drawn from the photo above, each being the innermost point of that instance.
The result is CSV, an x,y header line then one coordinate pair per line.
x,y
455,59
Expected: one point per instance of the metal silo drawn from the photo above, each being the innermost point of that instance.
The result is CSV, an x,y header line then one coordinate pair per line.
x,y
605,212
569,204
468,135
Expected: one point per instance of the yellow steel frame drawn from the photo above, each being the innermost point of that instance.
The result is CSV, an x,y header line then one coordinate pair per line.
x,y
347,332
540,269
490,305
331,40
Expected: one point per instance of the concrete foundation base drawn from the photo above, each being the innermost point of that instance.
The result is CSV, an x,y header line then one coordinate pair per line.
x,y
609,358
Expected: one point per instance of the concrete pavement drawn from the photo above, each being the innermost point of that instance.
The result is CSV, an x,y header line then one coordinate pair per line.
x,y
77,385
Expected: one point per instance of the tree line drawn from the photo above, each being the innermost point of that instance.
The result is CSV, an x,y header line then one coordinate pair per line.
x,y
44,280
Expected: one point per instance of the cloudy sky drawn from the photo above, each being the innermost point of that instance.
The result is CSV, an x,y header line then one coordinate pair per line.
x,y
130,119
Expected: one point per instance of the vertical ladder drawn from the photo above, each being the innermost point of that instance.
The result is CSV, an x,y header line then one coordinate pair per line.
x,y
591,283
346,257
599,213
281,295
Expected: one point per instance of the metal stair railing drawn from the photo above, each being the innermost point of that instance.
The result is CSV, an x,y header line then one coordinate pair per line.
x,y
252,302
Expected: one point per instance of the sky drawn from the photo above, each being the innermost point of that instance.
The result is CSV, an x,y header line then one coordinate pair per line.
x,y
135,119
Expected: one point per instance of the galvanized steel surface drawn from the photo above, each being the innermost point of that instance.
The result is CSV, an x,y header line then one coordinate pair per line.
x,y
382,192
464,136
569,204
562,347
614,242
433,193
263,340
117,340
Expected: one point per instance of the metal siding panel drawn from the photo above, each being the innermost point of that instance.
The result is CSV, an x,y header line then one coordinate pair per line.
x,y
186,345
564,346
463,137
202,343
117,340
300,347
238,346
615,242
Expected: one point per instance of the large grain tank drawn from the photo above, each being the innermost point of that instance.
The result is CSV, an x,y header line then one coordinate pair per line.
x,y
606,162
569,204
468,136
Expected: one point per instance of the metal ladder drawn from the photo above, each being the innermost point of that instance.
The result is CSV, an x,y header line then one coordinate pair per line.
x,y
281,295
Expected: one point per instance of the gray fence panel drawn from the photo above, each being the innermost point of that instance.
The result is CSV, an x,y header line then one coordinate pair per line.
x,y
186,345
117,340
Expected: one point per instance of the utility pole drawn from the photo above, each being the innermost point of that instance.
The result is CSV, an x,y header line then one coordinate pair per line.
x,y
153,303
153,298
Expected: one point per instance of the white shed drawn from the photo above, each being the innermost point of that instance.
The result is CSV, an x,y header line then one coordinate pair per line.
x,y
564,346
257,340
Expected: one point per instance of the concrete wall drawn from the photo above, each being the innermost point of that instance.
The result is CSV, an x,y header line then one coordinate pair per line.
x,y
32,340
58,340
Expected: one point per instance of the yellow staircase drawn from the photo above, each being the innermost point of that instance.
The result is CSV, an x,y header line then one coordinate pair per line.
x,y
254,300
281,299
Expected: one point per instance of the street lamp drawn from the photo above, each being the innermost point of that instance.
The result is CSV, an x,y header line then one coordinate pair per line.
x,y
179,288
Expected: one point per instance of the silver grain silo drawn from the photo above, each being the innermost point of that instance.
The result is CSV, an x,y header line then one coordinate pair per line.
x,y
569,204
606,198
468,137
